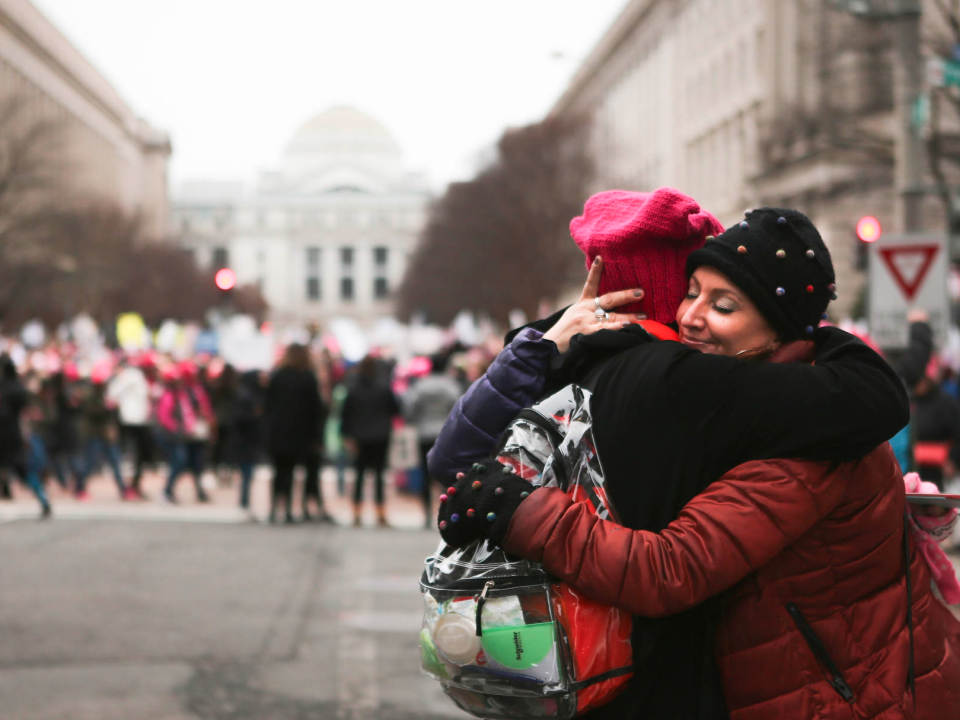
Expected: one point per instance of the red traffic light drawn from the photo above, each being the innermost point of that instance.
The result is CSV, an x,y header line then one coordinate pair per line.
x,y
225,279
868,229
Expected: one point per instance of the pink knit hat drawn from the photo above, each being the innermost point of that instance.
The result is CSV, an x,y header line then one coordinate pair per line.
x,y
644,240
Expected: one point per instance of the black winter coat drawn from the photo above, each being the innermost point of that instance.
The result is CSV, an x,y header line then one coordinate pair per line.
x,y
13,399
245,418
294,413
368,411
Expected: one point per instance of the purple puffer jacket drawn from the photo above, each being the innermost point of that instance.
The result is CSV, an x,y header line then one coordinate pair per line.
x,y
514,381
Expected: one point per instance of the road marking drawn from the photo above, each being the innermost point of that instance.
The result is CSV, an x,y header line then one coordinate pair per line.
x,y
358,692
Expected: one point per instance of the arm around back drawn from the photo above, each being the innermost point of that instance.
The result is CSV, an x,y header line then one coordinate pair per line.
x,y
839,408
734,527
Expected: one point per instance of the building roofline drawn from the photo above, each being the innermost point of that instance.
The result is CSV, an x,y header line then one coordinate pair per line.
x,y
32,28
608,44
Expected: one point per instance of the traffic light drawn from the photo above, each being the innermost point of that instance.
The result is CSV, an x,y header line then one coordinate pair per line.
x,y
225,279
868,231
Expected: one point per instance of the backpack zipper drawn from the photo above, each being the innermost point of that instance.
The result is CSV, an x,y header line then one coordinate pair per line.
x,y
481,599
820,651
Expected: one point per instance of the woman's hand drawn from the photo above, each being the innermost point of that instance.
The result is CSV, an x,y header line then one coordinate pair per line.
x,y
582,318
481,503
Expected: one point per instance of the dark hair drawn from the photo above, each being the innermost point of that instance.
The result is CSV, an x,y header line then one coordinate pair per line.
x,y
368,366
296,357
438,363
229,377
7,369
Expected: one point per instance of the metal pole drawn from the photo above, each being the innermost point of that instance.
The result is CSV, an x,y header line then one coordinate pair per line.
x,y
904,16
908,82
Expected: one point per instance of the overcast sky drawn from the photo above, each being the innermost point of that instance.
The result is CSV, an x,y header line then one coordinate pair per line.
x,y
232,80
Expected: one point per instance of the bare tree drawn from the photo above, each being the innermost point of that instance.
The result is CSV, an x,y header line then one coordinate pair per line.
x,y
104,267
31,170
501,241
62,253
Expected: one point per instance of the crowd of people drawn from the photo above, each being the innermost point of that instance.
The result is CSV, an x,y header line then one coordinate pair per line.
x,y
201,419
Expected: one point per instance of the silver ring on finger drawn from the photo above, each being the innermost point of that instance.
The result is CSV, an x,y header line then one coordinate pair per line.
x,y
602,316
596,302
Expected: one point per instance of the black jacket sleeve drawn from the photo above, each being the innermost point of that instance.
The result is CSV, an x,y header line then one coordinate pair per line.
x,y
839,408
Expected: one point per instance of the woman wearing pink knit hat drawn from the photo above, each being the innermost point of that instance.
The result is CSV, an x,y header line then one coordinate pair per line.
x,y
819,621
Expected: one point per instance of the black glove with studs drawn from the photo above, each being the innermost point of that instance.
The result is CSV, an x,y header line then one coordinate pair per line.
x,y
481,504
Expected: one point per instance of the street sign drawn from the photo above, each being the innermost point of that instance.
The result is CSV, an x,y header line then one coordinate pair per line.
x,y
908,264
942,72
920,115
906,272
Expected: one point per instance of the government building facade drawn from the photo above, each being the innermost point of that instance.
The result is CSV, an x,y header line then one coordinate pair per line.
x,y
106,152
326,235
742,103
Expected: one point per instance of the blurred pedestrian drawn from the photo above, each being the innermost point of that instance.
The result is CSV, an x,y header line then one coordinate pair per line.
x,y
13,450
101,435
336,448
245,421
911,365
293,422
368,412
130,392
181,419
59,427
202,435
936,429
426,406
223,398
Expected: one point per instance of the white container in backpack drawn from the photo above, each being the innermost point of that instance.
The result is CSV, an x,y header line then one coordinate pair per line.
x,y
456,637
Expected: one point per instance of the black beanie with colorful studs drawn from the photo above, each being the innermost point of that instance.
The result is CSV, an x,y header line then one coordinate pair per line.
x,y
779,260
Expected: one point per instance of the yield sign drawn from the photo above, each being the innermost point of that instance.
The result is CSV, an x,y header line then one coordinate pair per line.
x,y
909,264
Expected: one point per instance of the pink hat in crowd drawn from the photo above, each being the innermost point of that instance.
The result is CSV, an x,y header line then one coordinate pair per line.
x,y
188,370
70,371
644,240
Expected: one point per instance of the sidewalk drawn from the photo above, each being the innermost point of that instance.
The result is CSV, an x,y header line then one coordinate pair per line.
x,y
404,510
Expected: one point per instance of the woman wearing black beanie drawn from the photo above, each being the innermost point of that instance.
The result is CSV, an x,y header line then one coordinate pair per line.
x,y
778,259
798,565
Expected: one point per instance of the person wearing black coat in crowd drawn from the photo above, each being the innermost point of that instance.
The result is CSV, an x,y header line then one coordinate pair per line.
x,y
244,422
13,400
936,432
60,427
367,420
293,421
223,397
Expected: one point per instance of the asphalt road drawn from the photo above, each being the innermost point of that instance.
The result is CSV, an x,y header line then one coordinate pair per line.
x,y
104,619
140,611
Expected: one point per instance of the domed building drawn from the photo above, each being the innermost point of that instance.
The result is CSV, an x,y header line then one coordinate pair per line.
x,y
325,235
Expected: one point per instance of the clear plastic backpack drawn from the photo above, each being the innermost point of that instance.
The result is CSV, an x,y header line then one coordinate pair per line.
x,y
503,638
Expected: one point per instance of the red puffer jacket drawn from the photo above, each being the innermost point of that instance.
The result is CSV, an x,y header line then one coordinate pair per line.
x,y
811,554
